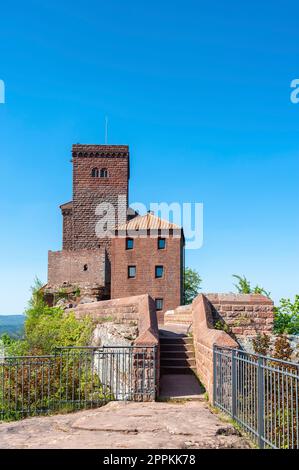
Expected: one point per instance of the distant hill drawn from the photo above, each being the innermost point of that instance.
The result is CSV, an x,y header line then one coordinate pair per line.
x,y
12,325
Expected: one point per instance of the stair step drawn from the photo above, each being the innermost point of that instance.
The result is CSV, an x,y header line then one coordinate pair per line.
x,y
172,340
176,347
177,362
179,354
178,370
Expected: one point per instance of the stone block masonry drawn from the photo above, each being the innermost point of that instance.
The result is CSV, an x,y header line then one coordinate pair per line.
x,y
205,338
244,314
82,267
89,192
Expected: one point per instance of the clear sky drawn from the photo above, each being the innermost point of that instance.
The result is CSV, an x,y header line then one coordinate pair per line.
x,y
201,93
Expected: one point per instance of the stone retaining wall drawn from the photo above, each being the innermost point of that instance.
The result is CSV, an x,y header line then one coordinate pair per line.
x,y
244,314
205,337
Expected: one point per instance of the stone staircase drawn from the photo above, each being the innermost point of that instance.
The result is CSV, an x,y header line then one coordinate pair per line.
x,y
177,354
178,367
181,315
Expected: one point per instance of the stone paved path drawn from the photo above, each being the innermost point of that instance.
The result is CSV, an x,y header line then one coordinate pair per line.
x,y
181,386
120,425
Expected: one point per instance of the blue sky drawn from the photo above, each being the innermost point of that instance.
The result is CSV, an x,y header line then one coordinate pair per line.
x,y
201,93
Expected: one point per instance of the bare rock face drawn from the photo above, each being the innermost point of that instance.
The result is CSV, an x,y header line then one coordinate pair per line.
x,y
126,425
87,300
65,303
246,343
114,334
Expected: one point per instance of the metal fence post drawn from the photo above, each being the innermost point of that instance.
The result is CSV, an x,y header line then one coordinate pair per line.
x,y
234,384
261,401
214,375
154,373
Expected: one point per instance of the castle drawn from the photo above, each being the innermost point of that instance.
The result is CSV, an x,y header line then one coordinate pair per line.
x,y
138,254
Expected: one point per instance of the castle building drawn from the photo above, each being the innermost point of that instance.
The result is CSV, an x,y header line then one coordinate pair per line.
x,y
108,250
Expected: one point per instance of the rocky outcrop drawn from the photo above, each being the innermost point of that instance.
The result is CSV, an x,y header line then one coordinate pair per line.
x,y
114,334
120,425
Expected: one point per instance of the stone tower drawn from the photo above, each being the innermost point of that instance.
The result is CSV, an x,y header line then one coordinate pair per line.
x,y
100,175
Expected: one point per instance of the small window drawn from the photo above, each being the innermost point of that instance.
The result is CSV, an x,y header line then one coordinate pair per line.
x,y
95,173
129,243
85,267
131,272
159,304
159,270
104,173
161,243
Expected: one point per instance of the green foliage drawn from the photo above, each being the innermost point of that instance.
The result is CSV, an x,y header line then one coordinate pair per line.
x,y
221,325
192,282
77,292
56,380
261,344
54,328
48,327
286,316
244,287
6,340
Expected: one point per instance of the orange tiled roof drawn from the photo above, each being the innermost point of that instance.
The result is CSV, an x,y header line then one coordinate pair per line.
x,y
148,222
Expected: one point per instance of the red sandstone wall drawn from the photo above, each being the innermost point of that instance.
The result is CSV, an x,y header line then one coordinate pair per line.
x,y
68,266
245,314
145,256
67,229
205,337
88,192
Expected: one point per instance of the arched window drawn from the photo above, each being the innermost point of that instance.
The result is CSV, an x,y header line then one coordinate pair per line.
x,y
95,173
104,173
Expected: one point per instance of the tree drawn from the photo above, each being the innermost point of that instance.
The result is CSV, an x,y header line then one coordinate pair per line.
x,y
244,287
192,283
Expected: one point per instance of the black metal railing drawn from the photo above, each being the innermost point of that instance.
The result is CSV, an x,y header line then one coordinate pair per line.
x,y
261,394
75,378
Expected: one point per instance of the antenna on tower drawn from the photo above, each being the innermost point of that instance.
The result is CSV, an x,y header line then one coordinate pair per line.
x,y
106,130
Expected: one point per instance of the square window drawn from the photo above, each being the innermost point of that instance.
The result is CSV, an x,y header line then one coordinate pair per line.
x,y
129,244
131,271
159,304
161,243
159,270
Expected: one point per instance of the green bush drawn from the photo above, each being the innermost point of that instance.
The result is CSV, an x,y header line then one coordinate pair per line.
x,y
47,328
286,317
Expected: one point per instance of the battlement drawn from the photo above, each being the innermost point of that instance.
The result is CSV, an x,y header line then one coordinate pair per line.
x,y
97,151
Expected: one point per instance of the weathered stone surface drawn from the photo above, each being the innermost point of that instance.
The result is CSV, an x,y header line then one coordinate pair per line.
x,y
120,425
246,343
246,314
114,334
65,304
87,300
